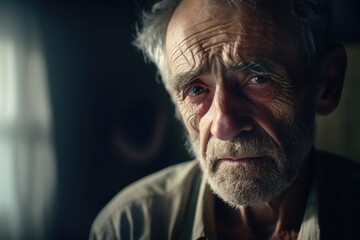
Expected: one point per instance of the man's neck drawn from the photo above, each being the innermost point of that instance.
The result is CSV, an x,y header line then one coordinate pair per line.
x,y
279,218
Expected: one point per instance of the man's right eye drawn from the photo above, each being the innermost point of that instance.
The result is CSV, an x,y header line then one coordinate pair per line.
x,y
195,91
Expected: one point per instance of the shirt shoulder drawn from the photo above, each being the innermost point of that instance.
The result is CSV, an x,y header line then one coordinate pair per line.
x,y
158,200
335,165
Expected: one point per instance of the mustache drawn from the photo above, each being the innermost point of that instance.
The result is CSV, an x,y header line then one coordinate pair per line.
x,y
250,143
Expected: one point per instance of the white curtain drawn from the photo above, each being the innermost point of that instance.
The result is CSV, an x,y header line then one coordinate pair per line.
x,y
27,166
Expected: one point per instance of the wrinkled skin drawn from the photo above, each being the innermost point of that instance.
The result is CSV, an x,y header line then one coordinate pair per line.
x,y
243,95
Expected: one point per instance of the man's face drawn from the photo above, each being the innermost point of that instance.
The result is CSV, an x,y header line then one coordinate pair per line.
x,y
244,97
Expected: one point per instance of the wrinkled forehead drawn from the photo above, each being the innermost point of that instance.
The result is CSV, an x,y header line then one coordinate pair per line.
x,y
194,11
198,24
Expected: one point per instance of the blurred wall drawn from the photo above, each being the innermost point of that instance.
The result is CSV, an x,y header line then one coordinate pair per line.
x,y
113,123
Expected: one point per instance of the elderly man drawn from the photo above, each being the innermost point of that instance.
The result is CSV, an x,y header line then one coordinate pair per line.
x,y
247,78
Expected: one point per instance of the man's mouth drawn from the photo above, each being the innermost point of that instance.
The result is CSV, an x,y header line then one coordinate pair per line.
x,y
243,159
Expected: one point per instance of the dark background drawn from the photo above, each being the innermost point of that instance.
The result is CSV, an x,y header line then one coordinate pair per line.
x,y
102,92
107,104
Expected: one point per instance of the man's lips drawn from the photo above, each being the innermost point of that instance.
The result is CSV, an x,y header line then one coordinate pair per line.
x,y
239,161
242,159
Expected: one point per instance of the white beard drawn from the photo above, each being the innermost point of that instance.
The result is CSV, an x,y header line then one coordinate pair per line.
x,y
260,179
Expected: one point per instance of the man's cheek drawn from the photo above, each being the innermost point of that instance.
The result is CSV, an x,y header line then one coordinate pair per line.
x,y
190,119
283,108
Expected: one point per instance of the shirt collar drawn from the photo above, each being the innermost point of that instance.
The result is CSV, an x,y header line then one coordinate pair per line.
x,y
204,222
310,228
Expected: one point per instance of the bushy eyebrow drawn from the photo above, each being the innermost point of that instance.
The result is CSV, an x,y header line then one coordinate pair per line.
x,y
253,67
181,80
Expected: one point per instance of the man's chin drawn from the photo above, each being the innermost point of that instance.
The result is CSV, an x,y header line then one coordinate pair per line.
x,y
247,190
238,198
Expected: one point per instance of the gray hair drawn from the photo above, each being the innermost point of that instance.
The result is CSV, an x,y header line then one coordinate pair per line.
x,y
312,19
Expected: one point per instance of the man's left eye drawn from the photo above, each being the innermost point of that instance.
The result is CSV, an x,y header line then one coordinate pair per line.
x,y
259,79
195,91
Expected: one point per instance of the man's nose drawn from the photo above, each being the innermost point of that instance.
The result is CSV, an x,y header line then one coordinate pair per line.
x,y
230,113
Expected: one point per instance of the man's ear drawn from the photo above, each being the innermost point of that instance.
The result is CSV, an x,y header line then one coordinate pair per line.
x,y
331,80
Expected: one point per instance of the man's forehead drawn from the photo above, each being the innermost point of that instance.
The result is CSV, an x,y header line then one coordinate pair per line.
x,y
196,35
213,7
192,15
190,12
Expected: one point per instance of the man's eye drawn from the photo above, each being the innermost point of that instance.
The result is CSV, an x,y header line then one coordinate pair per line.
x,y
259,79
195,91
